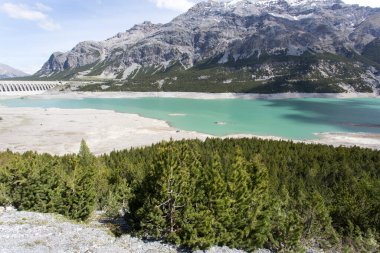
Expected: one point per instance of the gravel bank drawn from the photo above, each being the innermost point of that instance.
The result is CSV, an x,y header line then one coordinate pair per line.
x,y
27,232
196,95
59,131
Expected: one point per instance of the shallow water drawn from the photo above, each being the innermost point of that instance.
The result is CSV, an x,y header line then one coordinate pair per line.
x,y
289,118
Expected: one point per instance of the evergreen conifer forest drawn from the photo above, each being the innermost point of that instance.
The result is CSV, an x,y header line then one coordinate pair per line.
x,y
242,193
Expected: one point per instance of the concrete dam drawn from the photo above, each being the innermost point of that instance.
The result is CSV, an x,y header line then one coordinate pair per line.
x,y
16,88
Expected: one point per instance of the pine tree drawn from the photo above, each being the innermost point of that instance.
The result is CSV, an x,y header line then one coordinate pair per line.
x,y
318,223
83,194
167,199
173,206
198,228
80,189
197,224
260,209
117,200
237,216
286,227
214,182
86,158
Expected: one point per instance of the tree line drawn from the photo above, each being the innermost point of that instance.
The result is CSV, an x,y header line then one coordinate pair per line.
x,y
242,193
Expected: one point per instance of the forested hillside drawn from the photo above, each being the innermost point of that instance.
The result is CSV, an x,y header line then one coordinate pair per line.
x,y
243,193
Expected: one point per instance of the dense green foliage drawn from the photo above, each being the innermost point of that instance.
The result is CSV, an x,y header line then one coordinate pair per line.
x,y
44,183
372,50
244,193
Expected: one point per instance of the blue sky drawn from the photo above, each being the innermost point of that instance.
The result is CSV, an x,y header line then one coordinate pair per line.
x,y
30,30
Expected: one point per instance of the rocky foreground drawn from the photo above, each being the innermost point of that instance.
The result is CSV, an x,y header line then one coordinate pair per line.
x,y
35,232
29,232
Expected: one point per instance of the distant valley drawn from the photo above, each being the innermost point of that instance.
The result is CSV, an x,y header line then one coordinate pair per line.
x,y
9,72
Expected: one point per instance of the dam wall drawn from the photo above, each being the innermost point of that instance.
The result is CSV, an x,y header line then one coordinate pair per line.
x,y
17,88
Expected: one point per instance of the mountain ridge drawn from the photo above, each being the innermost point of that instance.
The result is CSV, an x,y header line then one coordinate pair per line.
x,y
7,71
315,39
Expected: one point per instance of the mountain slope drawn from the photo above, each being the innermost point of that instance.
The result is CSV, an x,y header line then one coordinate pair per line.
x,y
240,46
9,72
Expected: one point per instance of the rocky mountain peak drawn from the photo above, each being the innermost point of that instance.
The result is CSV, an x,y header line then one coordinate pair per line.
x,y
217,9
146,26
265,3
298,2
229,33
10,72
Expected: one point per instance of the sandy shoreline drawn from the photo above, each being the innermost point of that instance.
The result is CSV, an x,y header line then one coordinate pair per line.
x,y
194,95
59,131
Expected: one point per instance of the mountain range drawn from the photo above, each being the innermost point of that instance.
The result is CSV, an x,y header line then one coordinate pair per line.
x,y
261,46
9,72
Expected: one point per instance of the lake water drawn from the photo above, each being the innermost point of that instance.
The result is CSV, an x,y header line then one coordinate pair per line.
x,y
289,118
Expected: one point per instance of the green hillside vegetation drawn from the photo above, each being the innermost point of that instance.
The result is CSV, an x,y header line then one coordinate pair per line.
x,y
243,193
372,50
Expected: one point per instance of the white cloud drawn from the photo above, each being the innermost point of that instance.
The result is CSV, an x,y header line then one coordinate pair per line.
x,y
36,14
43,7
176,5
20,11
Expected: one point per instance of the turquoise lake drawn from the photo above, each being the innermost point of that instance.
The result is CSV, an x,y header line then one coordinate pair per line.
x,y
289,118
